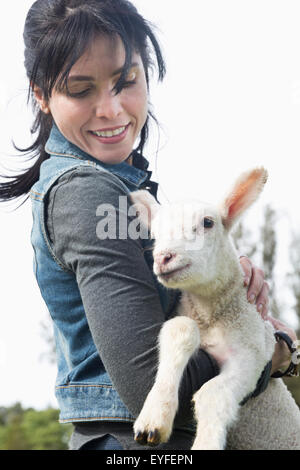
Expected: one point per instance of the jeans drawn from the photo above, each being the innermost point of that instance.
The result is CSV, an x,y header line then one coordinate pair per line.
x,y
106,442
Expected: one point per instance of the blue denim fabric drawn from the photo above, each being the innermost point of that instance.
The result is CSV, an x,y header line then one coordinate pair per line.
x,y
107,442
83,388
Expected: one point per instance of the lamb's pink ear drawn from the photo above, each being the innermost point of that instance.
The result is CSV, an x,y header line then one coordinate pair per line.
x,y
145,206
244,193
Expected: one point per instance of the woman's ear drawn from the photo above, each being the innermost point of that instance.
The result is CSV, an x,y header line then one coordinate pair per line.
x,y
39,96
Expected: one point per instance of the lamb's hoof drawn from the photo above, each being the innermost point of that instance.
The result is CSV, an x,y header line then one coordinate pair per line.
x,y
151,438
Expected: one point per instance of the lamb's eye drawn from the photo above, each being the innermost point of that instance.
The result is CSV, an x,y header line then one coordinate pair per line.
x,y
208,223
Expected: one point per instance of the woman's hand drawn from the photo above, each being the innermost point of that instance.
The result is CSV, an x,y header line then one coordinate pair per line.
x,y
282,355
258,288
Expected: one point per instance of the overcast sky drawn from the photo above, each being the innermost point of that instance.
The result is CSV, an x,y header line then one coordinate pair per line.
x,y
230,101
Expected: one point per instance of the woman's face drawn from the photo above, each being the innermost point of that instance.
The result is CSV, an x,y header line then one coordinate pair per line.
x,y
94,118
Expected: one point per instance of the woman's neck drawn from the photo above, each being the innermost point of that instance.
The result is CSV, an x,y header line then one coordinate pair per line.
x,y
129,160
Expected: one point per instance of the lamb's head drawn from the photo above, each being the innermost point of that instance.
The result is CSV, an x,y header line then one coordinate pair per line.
x,y
192,239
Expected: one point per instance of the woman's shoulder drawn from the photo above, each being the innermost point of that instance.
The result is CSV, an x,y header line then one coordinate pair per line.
x,y
76,196
87,178
78,193
85,186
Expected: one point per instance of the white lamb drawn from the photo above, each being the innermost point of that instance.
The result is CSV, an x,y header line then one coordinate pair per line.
x,y
214,313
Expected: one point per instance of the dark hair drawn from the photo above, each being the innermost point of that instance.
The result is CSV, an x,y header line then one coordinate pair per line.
x,y
56,34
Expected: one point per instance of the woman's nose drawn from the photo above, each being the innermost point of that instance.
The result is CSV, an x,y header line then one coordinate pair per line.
x,y
108,105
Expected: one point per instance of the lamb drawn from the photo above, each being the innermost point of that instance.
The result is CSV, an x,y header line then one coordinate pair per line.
x,y
214,313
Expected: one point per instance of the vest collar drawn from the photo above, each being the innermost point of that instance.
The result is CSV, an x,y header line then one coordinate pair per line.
x,y
136,174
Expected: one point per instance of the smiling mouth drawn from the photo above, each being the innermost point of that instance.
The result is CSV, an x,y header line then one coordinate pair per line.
x,y
110,136
169,274
110,132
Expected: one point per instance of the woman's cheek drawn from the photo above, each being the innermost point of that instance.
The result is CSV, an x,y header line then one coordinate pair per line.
x,y
142,103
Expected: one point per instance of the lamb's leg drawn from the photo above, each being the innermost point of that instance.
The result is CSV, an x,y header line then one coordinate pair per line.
x,y
217,403
178,339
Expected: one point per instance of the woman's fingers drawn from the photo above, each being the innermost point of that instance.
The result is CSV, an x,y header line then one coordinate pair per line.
x,y
262,300
247,268
279,325
258,288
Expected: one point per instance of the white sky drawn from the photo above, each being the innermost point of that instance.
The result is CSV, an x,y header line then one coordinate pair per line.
x,y
231,100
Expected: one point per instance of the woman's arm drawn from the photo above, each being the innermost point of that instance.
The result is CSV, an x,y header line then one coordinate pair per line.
x,y
119,296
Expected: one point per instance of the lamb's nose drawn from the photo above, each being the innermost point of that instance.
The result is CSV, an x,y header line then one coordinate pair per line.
x,y
164,258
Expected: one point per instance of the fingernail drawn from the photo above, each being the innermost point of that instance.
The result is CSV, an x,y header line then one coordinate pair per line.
x,y
252,298
246,281
260,307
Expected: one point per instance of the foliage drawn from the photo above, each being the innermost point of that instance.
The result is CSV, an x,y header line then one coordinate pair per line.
x,y
295,274
294,387
269,243
28,429
269,252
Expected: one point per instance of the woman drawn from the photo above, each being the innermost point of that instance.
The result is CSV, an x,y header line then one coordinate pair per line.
x,y
88,65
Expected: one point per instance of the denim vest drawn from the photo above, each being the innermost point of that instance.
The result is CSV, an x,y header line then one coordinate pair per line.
x,y
83,387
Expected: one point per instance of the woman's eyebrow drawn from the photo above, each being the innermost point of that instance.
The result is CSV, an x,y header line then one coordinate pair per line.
x,y
117,72
86,78
80,78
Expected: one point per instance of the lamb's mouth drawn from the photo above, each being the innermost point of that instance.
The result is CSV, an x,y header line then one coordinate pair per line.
x,y
165,276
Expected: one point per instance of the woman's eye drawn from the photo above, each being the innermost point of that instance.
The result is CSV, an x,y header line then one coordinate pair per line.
x,y
79,94
130,79
208,223
127,83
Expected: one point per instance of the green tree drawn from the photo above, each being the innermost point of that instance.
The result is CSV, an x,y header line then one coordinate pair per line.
x,y
294,276
42,430
269,252
13,435
32,430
